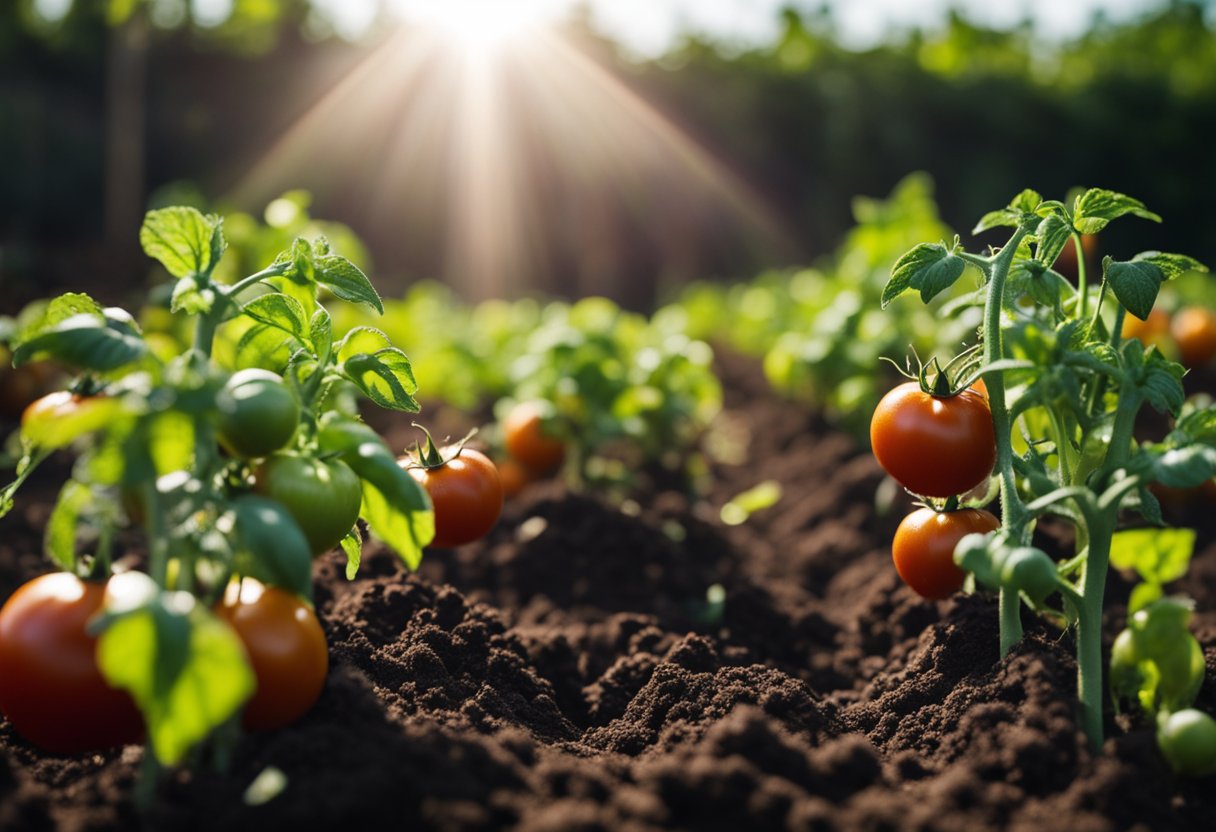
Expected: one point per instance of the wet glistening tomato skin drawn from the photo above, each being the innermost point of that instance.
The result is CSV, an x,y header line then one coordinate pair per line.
x,y
923,548
51,689
934,446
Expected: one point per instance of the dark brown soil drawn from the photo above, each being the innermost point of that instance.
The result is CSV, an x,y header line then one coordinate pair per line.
x,y
570,673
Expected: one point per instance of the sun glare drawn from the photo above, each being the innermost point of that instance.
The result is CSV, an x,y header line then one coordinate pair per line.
x,y
481,132
480,25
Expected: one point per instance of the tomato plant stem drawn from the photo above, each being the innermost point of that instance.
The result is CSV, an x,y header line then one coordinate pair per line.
x,y
1011,507
1089,627
1082,281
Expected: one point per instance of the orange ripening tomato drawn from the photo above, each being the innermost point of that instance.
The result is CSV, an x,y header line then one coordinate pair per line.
x,y
51,689
923,548
525,439
286,648
514,476
1154,330
1194,331
465,492
932,446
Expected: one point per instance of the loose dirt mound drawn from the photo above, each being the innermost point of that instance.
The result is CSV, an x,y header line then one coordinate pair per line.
x,y
572,672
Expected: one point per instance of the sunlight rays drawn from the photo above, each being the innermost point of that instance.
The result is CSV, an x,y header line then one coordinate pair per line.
x,y
527,164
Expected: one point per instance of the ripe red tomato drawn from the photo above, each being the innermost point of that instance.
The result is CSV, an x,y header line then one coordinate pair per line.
x,y
323,495
465,492
286,648
50,687
1194,331
934,447
923,548
525,439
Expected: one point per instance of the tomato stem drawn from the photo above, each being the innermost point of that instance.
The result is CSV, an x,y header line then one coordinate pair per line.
x,y
1082,280
1012,511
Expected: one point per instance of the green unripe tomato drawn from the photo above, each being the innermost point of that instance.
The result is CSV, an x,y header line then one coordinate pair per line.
x,y
976,553
258,414
1188,740
1125,676
323,495
1029,570
1159,627
1182,669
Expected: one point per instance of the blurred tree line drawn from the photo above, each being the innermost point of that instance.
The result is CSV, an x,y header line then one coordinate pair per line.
x,y
109,105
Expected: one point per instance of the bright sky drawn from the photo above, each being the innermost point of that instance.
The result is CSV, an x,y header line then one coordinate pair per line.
x,y
649,26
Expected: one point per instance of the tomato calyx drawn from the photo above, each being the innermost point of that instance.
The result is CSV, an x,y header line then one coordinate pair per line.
x,y
960,373
430,456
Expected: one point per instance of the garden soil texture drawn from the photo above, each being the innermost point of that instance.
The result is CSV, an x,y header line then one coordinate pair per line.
x,y
570,673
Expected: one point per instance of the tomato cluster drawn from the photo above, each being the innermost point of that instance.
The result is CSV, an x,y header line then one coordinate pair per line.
x,y
938,447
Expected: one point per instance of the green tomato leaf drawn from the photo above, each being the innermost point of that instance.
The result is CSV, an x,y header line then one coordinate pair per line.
x,y
321,333
1157,555
1188,467
1136,282
55,312
281,312
171,441
929,268
1159,381
60,542
184,668
1052,234
184,240
1095,208
1013,215
271,546
352,545
190,298
346,280
397,509
1143,595
385,377
84,341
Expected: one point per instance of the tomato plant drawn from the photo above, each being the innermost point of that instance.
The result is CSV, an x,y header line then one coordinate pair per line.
x,y
51,689
620,393
923,548
286,648
465,491
149,424
1065,385
934,445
